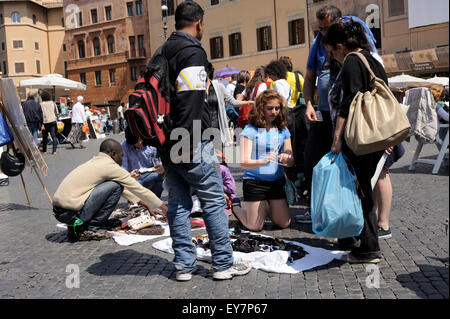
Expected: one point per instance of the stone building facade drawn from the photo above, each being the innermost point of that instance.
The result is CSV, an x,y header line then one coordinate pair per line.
x,y
107,47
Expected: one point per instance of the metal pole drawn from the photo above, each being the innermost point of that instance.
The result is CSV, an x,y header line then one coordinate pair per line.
x,y
165,12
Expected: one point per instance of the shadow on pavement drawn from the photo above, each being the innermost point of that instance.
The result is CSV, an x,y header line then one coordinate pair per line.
x,y
11,206
421,169
428,282
131,262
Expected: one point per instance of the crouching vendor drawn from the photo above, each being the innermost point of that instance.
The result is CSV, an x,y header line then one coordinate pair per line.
x,y
89,194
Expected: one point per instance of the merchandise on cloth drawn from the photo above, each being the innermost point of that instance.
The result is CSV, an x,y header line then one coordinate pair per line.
x,y
276,261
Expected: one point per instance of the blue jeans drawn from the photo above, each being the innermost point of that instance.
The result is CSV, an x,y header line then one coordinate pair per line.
x,y
98,207
34,128
153,182
203,179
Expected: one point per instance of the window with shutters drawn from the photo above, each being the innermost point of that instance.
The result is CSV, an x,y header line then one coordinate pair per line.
x,y
83,78
235,42
17,44
108,13
19,67
216,46
130,9
396,7
170,8
81,51
98,78
112,76
38,67
94,16
296,32
96,43
110,40
264,36
139,8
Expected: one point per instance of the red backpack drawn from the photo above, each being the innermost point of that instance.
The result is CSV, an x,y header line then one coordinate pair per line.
x,y
149,113
245,110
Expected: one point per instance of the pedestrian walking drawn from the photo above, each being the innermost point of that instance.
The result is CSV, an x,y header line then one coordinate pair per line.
x,y
33,116
50,116
76,135
265,149
188,69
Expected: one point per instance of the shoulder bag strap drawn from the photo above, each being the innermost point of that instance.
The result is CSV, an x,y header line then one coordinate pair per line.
x,y
366,63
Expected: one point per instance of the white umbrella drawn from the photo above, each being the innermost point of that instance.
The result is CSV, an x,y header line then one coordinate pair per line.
x,y
404,80
52,81
439,80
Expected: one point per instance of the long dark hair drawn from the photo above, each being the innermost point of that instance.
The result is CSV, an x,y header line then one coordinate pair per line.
x,y
259,76
350,34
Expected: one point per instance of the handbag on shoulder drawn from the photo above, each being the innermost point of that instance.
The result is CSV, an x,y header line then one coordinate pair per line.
x,y
376,120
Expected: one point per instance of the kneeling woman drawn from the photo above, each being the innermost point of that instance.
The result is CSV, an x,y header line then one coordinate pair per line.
x,y
265,148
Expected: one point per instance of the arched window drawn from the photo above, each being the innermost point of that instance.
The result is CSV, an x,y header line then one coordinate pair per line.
x,y
96,43
81,52
110,41
34,19
15,17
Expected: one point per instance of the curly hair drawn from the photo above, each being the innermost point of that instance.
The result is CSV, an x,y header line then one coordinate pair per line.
x,y
277,68
256,115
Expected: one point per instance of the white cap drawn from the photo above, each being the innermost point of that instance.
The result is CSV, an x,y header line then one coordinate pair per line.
x,y
80,98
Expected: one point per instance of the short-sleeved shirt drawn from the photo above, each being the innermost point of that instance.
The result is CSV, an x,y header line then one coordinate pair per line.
x,y
264,142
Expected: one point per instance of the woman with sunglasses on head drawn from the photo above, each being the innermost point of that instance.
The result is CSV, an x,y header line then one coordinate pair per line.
x,y
265,148
341,40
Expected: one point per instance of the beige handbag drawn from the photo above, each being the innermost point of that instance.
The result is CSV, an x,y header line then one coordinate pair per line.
x,y
376,120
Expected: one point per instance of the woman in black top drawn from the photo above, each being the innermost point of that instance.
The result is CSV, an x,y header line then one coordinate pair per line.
x,y
340,40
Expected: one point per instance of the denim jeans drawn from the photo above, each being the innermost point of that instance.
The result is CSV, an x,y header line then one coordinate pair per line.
x,y
202,178
98,207
153,182
34,128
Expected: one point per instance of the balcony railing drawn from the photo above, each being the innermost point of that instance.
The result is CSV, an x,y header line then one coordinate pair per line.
x,y
135,54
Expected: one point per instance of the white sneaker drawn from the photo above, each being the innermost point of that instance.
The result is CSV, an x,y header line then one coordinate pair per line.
x,y
196,206
184,276
238,269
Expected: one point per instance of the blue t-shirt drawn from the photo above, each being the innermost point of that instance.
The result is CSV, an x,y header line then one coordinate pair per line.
x,y
264,142
317,61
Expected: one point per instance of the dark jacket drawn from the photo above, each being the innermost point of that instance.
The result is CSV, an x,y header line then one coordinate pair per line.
x,y
32,111
187,72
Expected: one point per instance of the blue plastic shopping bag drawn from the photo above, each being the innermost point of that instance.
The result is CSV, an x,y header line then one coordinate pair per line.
x,y
5,133
336,210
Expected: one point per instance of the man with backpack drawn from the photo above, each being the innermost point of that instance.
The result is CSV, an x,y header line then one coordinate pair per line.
x,y
187,74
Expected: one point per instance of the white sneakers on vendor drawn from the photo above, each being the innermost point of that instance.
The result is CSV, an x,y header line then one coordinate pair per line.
x,y
238,269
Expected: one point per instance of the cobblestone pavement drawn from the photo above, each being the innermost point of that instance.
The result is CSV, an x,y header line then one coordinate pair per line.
x,y
35,254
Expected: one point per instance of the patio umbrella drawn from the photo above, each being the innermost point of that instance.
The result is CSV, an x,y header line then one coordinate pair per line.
x,y
52,81
225,72
439,80
404,80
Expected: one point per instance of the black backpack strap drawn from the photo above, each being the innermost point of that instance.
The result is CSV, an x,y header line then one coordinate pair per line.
x,y
297,80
